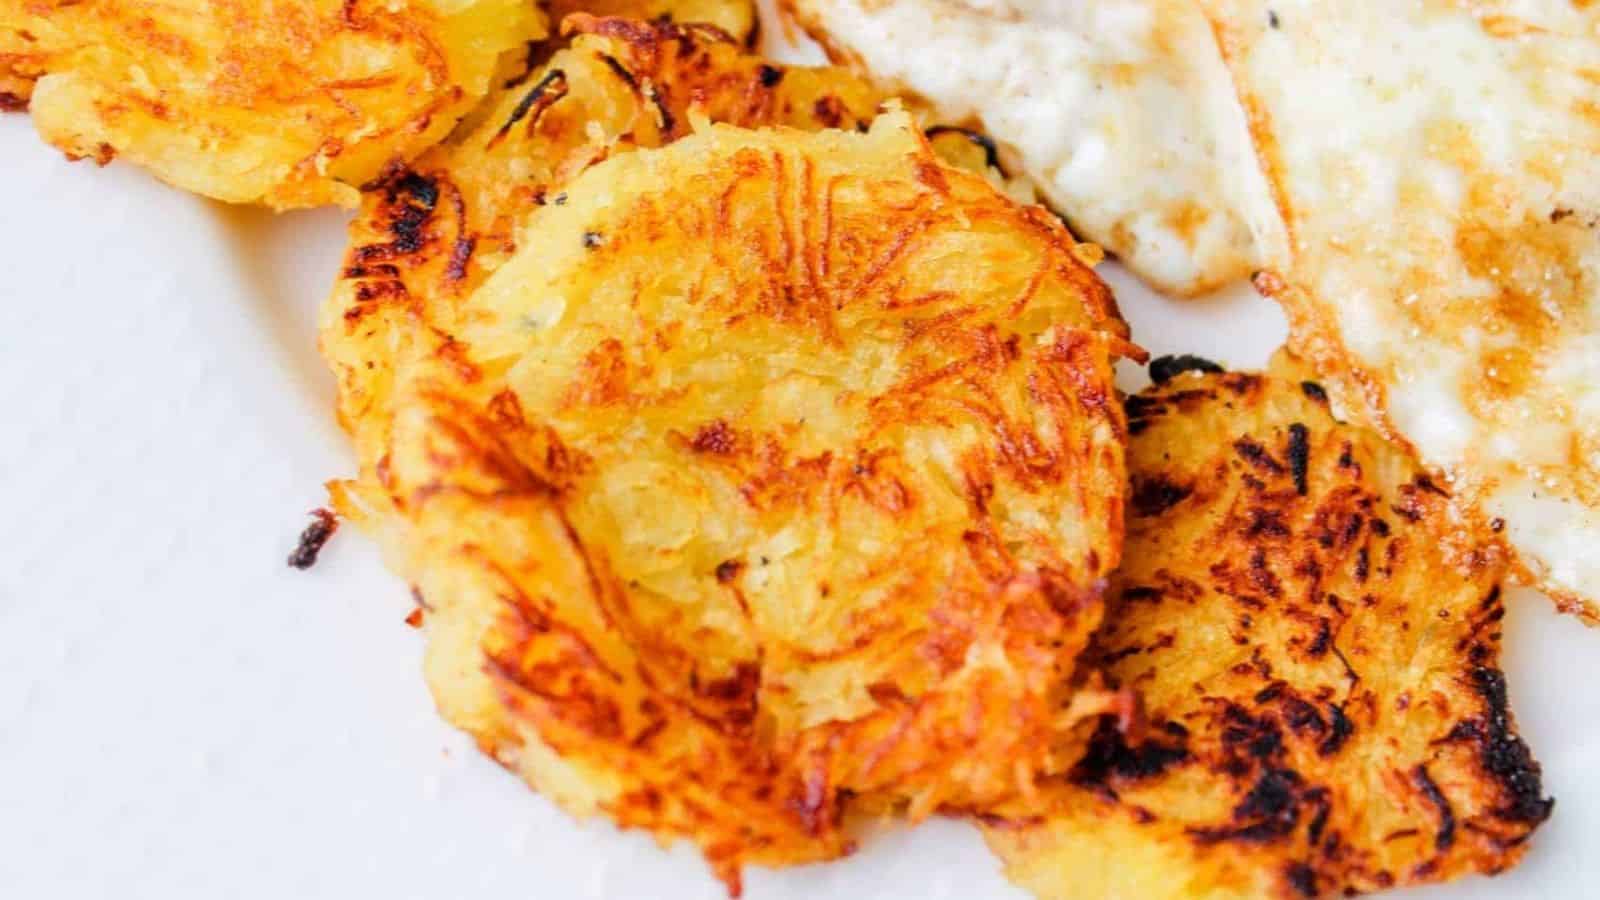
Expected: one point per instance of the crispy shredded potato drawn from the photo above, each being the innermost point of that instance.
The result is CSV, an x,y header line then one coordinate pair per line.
x,y
435,230
284,102
1315,635
772,477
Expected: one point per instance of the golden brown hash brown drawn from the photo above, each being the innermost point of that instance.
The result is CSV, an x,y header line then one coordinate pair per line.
x,y
775,476
1315,635
285,102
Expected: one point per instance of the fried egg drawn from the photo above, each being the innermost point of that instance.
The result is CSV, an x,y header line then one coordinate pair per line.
x,y
1442,191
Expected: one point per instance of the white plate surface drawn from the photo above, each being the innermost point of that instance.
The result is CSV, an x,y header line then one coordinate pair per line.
x,y
183,716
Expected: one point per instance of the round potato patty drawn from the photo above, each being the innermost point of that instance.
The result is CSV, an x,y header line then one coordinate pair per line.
x,y
289,103
775,476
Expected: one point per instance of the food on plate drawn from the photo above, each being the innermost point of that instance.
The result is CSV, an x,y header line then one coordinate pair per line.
x,y
431,232
1315,635
774,476
736,17
1442,192
289,103
1121,112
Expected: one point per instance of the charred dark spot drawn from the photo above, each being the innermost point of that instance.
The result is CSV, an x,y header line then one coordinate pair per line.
x,y
1142,592
1266,745
460,255
368,291
1165,368
1138,406
1302,880
1363,564
1318,797
410,198
324,523
1274,22
666,120
1299,456
407,229
728,570
737,691
1267,813
1109,755
714,437
1352,529
1347,458
1257,455
1314,391
1154,496
1323,639
1409,512
1340,728
1266,522
1272,796
1445,836
1425,483
1271,692
1503,753
991,154
1241,383
550,89
1302,716
374,270
1243,733
560,199
1349,670
592,239
620,71
420,189
829,110
1263,577
10,102
769,75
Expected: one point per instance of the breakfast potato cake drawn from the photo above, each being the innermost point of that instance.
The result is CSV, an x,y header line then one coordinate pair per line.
x,y
1315,634
284,102
773,476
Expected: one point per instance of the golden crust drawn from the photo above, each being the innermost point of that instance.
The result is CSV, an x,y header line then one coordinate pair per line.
x,y
774,476
288,103
1315,635
428,234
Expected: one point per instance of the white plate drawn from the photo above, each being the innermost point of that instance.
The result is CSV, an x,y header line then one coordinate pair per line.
x,y
181,715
